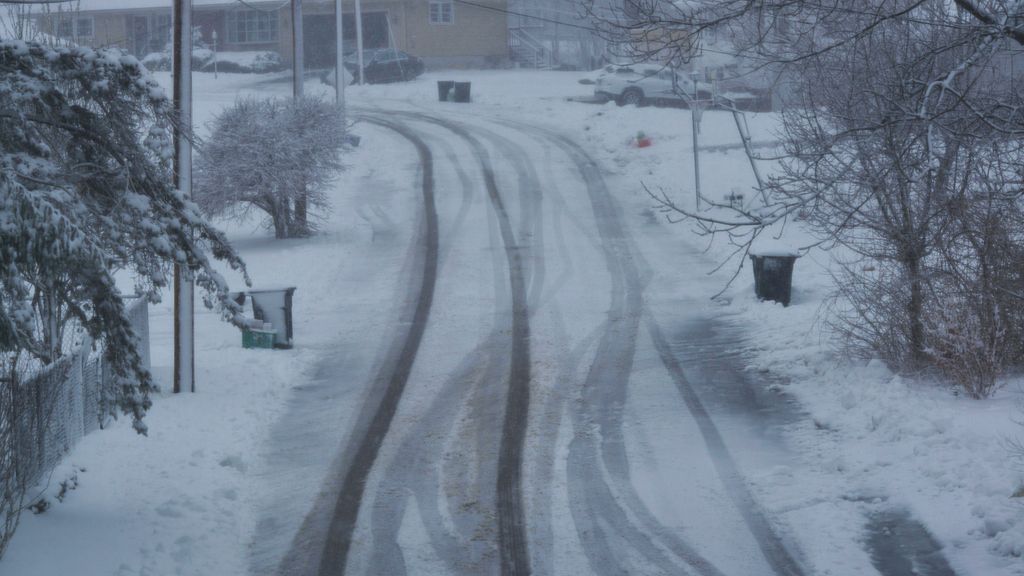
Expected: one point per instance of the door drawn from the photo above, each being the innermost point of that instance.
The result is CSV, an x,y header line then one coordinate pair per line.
x,y
319,41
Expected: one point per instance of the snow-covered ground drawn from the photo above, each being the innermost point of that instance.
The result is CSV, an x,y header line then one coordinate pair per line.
x,y
185,499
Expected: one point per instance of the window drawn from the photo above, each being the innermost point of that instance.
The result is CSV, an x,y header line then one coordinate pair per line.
x,y
442,12
66,28
162,31
71,27
83,27
252,26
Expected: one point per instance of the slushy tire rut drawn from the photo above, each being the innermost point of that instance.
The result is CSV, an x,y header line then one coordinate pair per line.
x,y
395,374
617,532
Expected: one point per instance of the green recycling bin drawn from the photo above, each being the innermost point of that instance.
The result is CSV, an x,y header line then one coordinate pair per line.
x,y
272,314
253,338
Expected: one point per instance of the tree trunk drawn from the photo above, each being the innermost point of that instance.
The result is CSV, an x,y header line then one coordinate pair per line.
x,y
915,313
281,217
301,212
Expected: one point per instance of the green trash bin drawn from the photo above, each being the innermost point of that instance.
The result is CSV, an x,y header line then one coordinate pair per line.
x,y
253,338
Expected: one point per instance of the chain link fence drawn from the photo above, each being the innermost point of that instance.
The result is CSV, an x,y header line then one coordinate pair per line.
x,y
47,410
70,399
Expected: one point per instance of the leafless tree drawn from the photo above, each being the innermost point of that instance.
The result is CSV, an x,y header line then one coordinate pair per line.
x,y
902,145
273,156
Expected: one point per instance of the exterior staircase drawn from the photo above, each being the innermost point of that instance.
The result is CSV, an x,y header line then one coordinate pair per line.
x,y
527,51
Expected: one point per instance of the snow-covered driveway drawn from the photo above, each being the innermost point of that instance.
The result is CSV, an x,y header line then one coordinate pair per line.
x,y
506,362
529,413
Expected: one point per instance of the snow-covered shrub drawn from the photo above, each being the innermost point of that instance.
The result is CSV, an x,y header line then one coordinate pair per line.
x,y
870,311
245,62
887,158
163,62
968,345
157,61
86,189
273,156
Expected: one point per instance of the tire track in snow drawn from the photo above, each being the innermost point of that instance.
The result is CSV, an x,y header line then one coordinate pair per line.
x,y
423,448
456,499
394,375
515,559
599,507
772,547
606,383
774,551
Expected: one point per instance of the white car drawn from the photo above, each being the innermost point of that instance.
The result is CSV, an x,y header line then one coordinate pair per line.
x,y
639,84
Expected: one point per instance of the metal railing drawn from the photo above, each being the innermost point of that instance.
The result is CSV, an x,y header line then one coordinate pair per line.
x,y
526,49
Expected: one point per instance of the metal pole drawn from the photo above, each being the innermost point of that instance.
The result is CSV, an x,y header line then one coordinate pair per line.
x,y
744,130
297,50
215,54
695,117
339,67
359,38
184,328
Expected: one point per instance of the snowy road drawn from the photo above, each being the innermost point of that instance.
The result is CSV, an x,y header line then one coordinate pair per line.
x,y
509,363
530,414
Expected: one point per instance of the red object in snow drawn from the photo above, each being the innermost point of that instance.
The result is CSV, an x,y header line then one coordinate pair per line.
x,y
643,142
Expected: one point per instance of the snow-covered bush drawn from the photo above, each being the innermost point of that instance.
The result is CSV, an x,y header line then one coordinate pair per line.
x,y
968,346
894,153
261,62
273,156
204,60
162,61
86,189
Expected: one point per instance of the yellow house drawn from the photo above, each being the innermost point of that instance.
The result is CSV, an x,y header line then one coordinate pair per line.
x,y
442,32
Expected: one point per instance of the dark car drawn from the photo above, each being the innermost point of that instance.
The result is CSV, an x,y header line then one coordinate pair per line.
x,y
385,65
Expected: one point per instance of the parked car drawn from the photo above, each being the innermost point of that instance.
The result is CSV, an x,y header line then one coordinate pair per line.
x,y
640,84
590,78
385,65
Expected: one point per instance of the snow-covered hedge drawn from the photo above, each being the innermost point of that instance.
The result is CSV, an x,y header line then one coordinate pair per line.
x,y
204,60
86,189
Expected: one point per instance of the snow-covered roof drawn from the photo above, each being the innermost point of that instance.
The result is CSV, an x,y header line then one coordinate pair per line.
x,y
98,5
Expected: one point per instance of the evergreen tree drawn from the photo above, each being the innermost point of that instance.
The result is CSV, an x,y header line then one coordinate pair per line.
x,y
86,189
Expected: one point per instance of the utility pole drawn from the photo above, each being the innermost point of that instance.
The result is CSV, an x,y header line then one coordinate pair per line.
x,y
339,65
184,327
298,87
359,38
297,50
215,54
695,114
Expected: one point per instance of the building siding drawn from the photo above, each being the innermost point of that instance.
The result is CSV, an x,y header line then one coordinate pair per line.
x,y
478,36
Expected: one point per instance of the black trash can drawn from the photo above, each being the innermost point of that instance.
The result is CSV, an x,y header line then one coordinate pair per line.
x,y
773,276
275,307
462,92
444,89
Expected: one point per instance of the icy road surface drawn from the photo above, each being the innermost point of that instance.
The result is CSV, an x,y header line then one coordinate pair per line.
x,y
508,363
529,411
